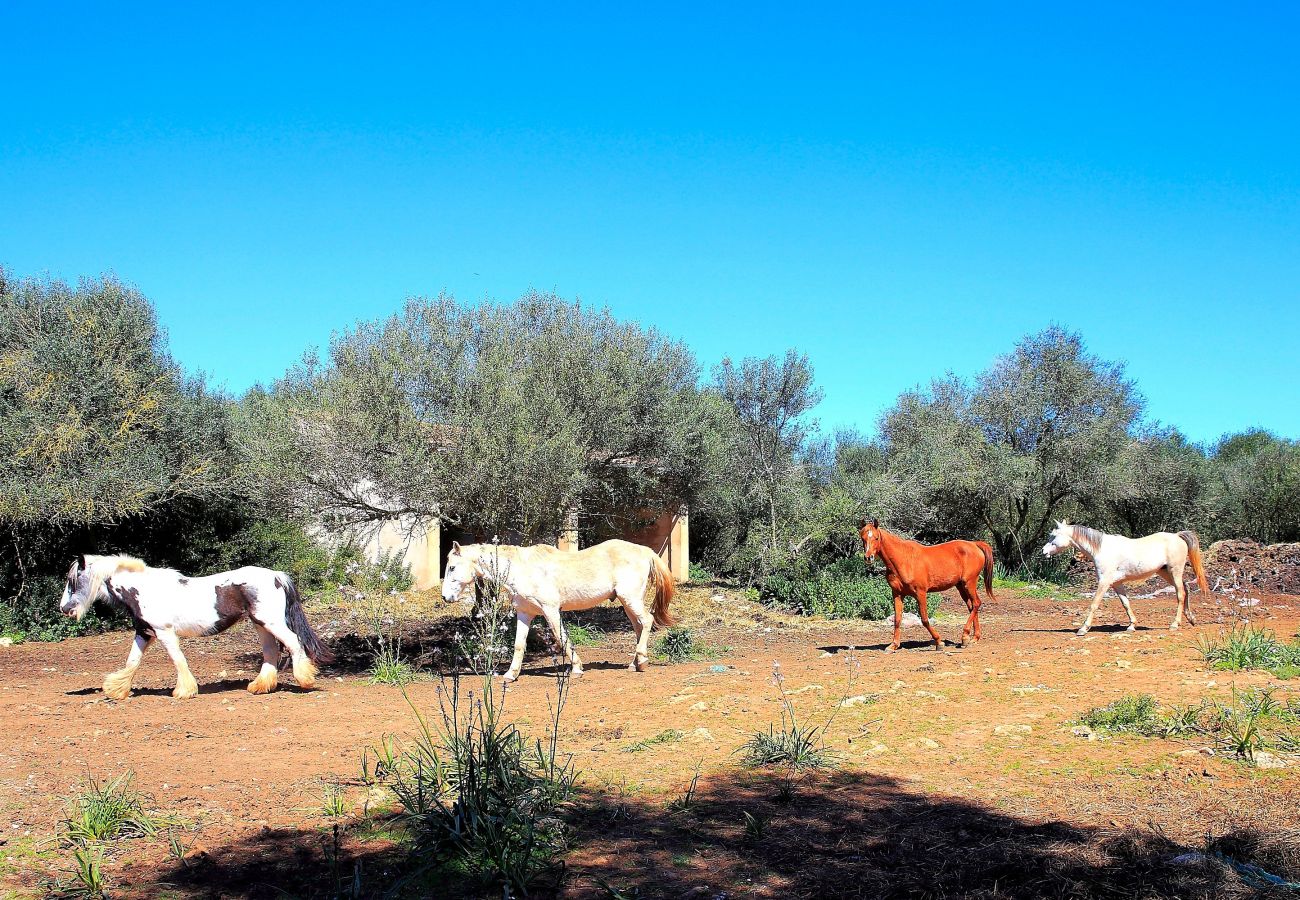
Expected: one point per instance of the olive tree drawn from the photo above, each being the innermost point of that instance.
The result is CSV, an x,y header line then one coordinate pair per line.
x,y
770,398
504,417
98,425
1034,433
1256,487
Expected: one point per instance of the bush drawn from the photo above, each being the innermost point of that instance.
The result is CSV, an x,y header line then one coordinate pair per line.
x,y
1248,647
845,589
476,793
680,645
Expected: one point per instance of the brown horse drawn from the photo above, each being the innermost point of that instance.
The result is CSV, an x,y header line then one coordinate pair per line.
x,y
913,569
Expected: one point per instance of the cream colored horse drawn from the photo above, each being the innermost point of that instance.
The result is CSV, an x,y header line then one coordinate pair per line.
x,y
545,580
1120,560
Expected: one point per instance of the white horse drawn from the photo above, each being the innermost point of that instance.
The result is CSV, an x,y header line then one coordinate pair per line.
x,y
165,604
1120,560
545,580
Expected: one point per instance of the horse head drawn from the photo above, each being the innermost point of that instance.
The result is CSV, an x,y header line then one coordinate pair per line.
x,y
870,534
462,572
1062,539
85,582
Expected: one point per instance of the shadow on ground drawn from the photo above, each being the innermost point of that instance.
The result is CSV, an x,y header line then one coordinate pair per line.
x,y
759,835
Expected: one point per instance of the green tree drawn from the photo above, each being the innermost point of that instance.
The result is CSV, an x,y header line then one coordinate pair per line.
x,y
770,397
1159,481
99,428
1037,431
1256,487
500,417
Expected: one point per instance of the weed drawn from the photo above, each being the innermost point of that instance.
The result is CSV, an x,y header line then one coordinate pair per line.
x,y
477,795
680,645
1134,713
88,870
389,667
754,827
668,736
686,801
334,801
1246,646
108,810
791,745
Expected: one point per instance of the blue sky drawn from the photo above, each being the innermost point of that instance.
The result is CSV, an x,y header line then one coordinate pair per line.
x,y
895,189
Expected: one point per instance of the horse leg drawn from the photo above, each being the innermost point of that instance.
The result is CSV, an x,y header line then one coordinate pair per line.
x,y
522,622
562,638
971,599
925,620
1175,577
269,676
117,685
898,623
186,686
304,670
1122,590
1102,588
642,621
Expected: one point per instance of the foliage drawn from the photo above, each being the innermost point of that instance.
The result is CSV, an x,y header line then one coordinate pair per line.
x,y
1246,646
1256,487
1039,429
96,420
106,811
844,589
1135,713
497,416
679,644
1253,721
770,398
667,736
476,792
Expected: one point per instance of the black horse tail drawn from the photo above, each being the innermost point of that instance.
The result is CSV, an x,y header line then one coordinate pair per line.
x,y
296,619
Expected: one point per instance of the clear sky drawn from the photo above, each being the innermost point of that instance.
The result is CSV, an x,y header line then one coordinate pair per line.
x,y
896,189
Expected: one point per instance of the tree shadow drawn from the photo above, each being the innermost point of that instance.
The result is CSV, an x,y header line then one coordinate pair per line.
x,y
761,834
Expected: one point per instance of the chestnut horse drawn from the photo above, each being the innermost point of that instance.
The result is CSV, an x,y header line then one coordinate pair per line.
x,y
914,569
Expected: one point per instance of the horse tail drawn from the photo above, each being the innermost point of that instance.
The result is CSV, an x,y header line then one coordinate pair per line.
x,y
296,619
988,568
1194,557
665,588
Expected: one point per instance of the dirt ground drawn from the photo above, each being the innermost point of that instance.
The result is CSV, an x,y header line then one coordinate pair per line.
x,y
958,772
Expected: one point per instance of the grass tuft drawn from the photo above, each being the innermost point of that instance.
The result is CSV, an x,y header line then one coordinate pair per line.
x,y
680,645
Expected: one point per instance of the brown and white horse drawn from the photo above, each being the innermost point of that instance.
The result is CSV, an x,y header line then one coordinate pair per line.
x,y
1120,560
543,580
167,605
914,569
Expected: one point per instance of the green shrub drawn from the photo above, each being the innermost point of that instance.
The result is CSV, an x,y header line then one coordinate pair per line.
x,y
1249,647
680,645
845,589
477,795
1135,713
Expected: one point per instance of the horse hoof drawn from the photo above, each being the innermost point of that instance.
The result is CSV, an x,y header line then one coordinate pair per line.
x,y
576,673
1131,628
187,694
1081,632
260,687
509,677
892,648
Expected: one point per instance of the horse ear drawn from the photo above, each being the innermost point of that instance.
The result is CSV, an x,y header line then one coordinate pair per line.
x,y
455,546
81,563
875,523
862,523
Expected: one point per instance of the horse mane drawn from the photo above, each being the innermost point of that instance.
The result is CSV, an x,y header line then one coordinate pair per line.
x,y
110,565
1087,538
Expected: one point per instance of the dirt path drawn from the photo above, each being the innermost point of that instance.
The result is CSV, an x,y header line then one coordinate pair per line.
x,y
987,726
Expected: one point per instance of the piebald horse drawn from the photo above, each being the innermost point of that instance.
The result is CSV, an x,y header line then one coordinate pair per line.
x,y
1120,560
913,569
543,580
164,604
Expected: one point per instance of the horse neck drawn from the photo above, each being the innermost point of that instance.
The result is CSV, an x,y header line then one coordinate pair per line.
x,y
889,546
